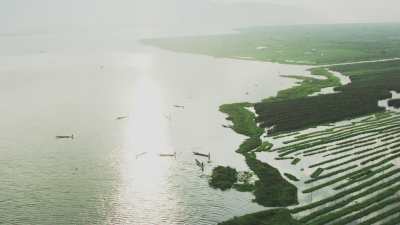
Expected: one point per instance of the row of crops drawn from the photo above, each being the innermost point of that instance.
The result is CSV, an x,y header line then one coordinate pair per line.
x,y
347,172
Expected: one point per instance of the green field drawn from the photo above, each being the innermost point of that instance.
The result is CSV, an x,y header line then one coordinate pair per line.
x,y
371,82
307,44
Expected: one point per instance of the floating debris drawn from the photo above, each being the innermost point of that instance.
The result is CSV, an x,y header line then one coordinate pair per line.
x,y
200,164
168,154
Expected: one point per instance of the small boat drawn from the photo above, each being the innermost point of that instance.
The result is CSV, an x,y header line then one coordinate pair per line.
x,y
168,154
179,106
121,117
226,126
140,154
200,164
65,136
202,154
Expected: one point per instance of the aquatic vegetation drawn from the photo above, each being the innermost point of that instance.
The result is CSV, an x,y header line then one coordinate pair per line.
x,y
354,176
365,186
245,176
295,161
305,44
383,216
371,82
245,187
355,170
273,217
244,183
252,143
393,221
366,173
301,113
271,189
291,177
329,161
346,202
394,103
223,177
308,85
242,119
264,147
379,204
317,172
244,123
355,173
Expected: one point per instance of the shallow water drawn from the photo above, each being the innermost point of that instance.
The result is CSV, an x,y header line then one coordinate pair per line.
x,y
385,103
97,178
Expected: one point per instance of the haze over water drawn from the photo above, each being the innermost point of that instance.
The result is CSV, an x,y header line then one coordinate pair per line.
x,y
73,67
96,178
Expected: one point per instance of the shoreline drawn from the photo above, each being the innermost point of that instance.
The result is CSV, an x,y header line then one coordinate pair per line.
x,y
344,80
336,82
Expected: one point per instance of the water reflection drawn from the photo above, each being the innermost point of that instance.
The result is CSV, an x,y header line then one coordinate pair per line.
x,y
98,174
143,171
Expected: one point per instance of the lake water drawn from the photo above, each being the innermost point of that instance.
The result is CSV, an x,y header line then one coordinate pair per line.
x,y
79,84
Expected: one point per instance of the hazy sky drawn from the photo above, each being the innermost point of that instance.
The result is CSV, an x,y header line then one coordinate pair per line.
x,y
48,15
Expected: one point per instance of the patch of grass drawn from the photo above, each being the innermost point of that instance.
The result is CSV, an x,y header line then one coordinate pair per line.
x,y
371,82
244,123
326,210
308,85
291,177
295,161
245,187
317,172
362,175
296,114
394,221
394,103
329,161
328,175
271,190
243,120
264,147
350,192
223,177
379,204
302,44
249,144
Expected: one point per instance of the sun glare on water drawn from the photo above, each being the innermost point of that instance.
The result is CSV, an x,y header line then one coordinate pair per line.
x,y
144,173
147,124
